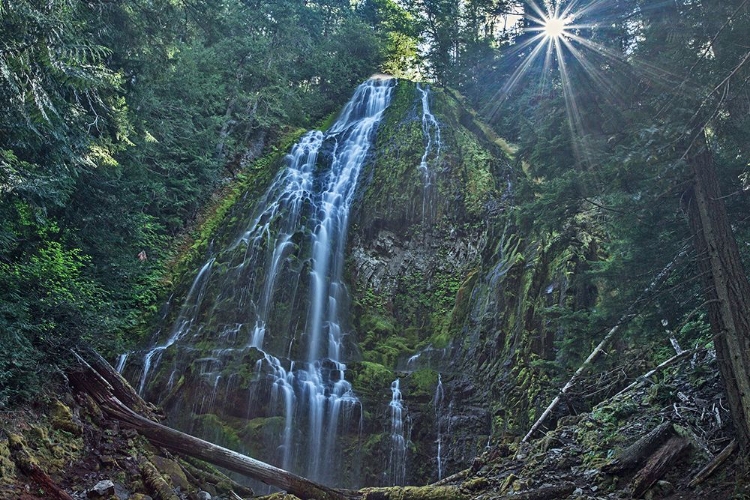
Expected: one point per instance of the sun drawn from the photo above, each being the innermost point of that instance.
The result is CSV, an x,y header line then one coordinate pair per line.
x,y
557,40
554,27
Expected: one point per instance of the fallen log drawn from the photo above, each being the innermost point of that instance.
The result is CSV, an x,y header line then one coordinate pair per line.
x,y
638,452
199,471
658,464
120,387
153,479
89,380
714,464
413,493
458,476
547,492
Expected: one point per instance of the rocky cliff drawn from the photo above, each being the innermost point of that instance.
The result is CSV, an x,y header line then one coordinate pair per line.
x,y
444,297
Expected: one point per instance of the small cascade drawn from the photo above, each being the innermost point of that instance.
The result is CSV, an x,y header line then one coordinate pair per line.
x,y
433,144
277,293
185,319
121,360
396,474
438,404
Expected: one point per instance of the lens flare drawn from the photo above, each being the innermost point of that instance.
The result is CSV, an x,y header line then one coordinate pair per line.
x,y
556,38
554,27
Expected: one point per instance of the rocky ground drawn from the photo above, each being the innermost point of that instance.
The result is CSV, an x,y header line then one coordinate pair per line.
x,y
64,447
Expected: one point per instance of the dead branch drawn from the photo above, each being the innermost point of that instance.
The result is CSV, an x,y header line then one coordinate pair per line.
x,y
671,361
714,464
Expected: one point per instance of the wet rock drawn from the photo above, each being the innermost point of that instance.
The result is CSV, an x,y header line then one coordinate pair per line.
x,y
204,495
102,489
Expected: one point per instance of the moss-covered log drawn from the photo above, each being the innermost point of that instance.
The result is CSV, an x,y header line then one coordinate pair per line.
x,y
29,466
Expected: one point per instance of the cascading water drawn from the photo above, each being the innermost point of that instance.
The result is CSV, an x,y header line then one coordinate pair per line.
x,y
438,404
397,462
433,144
185,320
277,290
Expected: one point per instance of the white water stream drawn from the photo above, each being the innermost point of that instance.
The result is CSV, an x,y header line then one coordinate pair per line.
x,y
433,145
300,225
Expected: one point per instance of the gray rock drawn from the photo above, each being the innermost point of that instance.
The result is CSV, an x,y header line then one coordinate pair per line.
x,y
103,488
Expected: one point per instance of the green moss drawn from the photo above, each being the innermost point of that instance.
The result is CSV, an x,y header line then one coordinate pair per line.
x,y
414,493
423,382
219,431
371,376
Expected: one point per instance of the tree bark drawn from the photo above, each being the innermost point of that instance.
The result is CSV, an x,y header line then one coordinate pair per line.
x,y
639,451
658,464
726,285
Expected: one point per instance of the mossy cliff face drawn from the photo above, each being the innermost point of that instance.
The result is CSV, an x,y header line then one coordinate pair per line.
x,y
445,288
444,295
416,251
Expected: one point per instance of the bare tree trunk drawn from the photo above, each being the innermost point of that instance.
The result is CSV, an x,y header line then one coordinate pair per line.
x,y
726,285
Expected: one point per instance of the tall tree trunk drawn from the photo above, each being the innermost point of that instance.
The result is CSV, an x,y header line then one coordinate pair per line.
x,y
726,284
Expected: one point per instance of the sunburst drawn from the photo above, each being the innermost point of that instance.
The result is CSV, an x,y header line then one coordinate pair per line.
x,y
560,37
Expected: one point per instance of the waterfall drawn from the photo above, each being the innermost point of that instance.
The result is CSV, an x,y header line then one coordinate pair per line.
x,y
121,360
438,404
397,462
277,289
185,320
433,144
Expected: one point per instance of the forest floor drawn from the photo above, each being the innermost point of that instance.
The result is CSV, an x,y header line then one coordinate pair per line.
x,y
649,442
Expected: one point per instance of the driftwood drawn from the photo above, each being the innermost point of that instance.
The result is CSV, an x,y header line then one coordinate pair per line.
x,y
658,464
89,380
638,452
29,466
714,464
630,313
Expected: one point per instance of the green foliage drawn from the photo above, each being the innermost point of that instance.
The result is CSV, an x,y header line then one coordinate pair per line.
x,y
372,376
422,382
